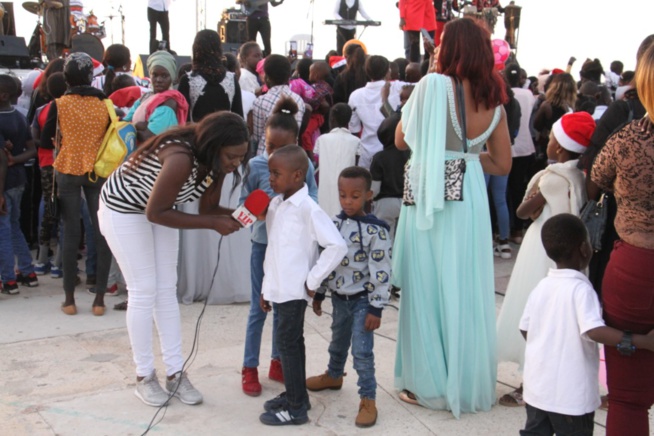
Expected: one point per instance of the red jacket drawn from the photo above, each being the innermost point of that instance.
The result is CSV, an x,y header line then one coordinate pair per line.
x,y
418,14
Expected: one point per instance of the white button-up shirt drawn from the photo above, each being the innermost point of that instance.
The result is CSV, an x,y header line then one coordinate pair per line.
x,y
159,5
366,106
350,4
296,228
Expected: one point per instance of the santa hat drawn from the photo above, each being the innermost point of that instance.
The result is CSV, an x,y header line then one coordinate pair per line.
x,y
337,62
98,68
573,131
556,71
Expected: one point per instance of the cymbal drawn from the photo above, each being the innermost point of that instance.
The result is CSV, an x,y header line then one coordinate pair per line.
x,y
32,7
53,4
37,9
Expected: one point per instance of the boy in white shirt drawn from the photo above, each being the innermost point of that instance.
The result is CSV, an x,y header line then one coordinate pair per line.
x,y
561,323
293,270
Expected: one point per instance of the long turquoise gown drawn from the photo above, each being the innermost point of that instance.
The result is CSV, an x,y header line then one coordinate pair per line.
x,y
443,261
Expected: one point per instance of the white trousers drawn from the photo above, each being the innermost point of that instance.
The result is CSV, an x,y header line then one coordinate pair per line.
x,y
147,256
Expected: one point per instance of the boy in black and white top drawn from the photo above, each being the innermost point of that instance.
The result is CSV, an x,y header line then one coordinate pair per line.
x,y
360,289
562,322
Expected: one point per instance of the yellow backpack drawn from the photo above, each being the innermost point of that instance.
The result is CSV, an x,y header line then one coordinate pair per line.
x,y
118,143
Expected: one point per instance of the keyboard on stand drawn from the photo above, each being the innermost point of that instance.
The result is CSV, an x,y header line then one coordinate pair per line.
x,y
352,23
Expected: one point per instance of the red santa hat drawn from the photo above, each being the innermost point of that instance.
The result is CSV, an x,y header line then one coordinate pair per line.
x,y
337,62
98,68
573,131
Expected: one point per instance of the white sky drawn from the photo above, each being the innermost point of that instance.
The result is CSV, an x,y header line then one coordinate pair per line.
x,y
550,30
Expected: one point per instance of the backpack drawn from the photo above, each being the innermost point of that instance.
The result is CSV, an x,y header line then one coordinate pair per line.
x,y
118,143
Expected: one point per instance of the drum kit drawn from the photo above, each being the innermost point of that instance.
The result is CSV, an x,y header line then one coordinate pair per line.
x,y
85,30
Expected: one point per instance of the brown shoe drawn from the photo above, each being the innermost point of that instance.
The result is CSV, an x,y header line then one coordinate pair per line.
x,y
324,381
367,416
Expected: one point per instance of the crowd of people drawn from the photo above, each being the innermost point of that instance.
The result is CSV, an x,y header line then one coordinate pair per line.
x,y
386,178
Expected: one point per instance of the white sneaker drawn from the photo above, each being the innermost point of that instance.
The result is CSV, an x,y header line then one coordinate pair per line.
x,y
183,389
503,251
150,391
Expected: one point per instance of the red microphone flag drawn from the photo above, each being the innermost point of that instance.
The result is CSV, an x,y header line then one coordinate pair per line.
x,y
255,204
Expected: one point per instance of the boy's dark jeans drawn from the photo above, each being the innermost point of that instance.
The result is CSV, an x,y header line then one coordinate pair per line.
x,y
542,423
290,344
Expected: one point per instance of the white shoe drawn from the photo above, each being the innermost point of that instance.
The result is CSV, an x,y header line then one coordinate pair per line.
x,y
150,391
503,251
181,387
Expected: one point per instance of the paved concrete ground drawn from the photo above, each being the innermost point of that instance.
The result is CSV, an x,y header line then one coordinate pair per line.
x,y
73,375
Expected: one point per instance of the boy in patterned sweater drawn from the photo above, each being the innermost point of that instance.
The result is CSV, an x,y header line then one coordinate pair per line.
x,y
360,289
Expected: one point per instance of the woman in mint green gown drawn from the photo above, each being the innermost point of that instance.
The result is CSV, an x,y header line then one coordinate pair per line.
x,y
443,253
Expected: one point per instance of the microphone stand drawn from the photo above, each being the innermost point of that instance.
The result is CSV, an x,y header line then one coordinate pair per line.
x,y
122,23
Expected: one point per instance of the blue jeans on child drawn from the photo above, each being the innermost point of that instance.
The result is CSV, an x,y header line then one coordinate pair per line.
x,y
349,326
290,342
257,317
497,185
13,246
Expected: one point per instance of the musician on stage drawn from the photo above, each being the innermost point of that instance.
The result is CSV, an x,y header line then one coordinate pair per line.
x,y
158,13
416,15
258,20
347,10
56,26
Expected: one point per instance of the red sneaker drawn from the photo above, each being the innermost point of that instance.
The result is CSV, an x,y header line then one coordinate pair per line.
x,y
275,373
250,382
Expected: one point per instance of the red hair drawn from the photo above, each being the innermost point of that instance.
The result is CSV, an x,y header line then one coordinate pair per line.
x,y
466,53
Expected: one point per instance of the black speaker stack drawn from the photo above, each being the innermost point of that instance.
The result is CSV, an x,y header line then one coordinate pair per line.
x,y
13,52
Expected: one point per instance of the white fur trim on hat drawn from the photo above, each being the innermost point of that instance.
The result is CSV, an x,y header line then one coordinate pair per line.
x,y
573,131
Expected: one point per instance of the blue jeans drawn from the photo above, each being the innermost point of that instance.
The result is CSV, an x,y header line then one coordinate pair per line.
x,y
349,326
497,185
290,341
257,317
91,253
12,241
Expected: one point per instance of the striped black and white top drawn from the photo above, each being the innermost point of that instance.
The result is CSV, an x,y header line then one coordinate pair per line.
x,y
128,189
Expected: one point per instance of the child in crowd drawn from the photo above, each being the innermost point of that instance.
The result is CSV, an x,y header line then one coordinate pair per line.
x,y
336,151
366,104
560,188
277,74
360,289
16,141
281,130
293,269
55,88
249,56
561,320
387,169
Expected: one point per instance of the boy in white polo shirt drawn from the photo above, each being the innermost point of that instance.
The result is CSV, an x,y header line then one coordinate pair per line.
x,y
562,322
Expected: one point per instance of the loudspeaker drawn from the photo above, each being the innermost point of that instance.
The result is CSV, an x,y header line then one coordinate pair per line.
x,y
13,52
141,69
233,31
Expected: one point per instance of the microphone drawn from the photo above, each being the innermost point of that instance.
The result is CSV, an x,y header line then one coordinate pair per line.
x,y
254,205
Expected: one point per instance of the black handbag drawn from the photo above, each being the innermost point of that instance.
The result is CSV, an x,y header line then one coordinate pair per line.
x,y
51,205
594,215
454,168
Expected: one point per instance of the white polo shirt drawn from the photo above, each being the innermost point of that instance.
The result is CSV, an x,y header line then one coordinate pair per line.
x,y
561,362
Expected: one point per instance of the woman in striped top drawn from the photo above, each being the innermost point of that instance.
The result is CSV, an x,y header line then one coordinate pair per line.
x,y
139,221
